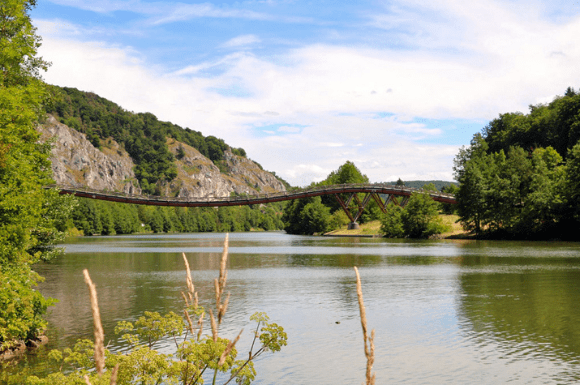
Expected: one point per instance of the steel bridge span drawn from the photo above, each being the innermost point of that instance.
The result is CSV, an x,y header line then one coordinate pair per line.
x,y
345,194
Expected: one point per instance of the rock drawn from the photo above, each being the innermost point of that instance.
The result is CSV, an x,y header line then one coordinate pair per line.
x,y
77,163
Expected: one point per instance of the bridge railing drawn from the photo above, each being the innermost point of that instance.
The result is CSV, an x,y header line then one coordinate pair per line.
x,y
379,188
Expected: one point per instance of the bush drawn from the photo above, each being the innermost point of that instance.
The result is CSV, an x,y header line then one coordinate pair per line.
x,y
391,224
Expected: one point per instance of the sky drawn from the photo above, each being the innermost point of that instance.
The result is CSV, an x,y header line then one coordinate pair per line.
x,y
397,87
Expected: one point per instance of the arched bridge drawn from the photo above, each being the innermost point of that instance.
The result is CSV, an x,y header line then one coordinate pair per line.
x,y
345,194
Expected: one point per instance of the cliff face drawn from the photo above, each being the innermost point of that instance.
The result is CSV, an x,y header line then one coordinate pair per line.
x,y
76,162
197,176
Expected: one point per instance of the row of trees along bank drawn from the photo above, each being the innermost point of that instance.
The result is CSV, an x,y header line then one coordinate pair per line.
x,y
94,217
520,177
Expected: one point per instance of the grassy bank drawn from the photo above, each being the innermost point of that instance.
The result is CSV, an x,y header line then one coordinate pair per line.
x,y
374,228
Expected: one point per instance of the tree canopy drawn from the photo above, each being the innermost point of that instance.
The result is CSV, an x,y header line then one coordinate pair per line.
x,y
30,217
519,177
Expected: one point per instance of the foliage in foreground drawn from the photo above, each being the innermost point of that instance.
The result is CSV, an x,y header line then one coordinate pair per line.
x,y
195,353
31,219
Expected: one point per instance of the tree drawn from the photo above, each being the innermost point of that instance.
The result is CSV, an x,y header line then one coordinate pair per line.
x,y
420,217
391,224
572,189
29,214
315,218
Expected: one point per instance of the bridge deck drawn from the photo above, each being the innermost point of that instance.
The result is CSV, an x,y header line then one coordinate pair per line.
x,y
250,199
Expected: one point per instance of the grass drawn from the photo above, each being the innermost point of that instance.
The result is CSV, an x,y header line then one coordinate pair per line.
x,y
374,228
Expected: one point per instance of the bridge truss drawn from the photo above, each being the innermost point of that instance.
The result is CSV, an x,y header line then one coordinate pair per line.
x,y
345,194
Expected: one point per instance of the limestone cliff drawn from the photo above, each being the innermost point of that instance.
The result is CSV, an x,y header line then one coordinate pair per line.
x,y
76,162
197,176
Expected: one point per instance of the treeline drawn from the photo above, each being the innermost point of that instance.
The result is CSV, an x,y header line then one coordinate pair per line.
x,y
142,135
95,217
317,215
322,214
520,177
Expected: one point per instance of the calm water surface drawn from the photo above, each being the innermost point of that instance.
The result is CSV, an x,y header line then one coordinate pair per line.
x,y
454,312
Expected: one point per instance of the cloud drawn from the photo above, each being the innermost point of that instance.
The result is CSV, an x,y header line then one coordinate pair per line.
x,y
290,129
241,41
108,6
182,12
468,62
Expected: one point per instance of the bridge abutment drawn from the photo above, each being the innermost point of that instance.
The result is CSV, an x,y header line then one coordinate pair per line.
x,y
353,226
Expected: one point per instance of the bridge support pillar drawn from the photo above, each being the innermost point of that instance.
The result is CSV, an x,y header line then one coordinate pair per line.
x,y
353,226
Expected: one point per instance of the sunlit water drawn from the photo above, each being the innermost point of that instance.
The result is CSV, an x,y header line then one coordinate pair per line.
x,y
454,312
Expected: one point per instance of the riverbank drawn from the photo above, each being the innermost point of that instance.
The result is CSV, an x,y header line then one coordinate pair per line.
x,y
373,229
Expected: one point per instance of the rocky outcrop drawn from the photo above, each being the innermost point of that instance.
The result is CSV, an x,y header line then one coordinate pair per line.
x,y
76,162
197,176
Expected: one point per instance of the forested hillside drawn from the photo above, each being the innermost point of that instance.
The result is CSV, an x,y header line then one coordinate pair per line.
x,y
142,135
520,177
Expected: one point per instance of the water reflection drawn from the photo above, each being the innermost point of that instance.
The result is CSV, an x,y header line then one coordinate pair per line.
x,y
444,312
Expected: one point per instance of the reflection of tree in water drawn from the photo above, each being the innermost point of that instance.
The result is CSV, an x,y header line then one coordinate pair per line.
x,y
528,311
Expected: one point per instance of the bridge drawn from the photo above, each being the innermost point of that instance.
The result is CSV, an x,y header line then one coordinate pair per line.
x,y
345,194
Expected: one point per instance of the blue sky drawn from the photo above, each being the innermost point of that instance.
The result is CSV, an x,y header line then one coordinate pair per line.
x,y
394,86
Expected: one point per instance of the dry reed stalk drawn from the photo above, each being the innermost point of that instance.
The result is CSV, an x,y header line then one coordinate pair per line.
x,y
229,348
214,329
220,284
190,288
98,327
369,350
185,299
114,375
200,325
189,322
87,381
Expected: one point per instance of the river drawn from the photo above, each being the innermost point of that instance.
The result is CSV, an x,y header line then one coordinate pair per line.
x,y
457,312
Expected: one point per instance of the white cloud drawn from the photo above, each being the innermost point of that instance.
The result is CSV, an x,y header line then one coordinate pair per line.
x,y
241,41
290,129
107,6
503,60
181,12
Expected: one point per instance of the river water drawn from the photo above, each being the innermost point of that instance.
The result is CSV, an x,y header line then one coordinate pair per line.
x,y
456,312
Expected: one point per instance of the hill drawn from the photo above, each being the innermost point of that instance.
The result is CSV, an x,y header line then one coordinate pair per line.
x,y
100,145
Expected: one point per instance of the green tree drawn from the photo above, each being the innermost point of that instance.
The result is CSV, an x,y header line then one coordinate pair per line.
x,y
572,190
27,223
391,223
420,218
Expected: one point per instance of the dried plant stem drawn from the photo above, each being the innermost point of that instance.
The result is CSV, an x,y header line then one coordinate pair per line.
x,y
369,341
190,288
214,328
229,349
98,327
189,322
220,284
114,375
200,325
